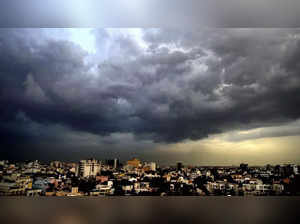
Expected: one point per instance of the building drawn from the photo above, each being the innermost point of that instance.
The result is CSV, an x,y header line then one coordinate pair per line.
x,y
116,163
179,166
278,188
153,166
150,166
88,168
56,164
244,167
109,162
286,170
294,168
134,162
74,192
33,192
8,189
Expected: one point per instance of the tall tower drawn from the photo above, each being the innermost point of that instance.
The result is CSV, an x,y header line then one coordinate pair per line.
x,y
116,163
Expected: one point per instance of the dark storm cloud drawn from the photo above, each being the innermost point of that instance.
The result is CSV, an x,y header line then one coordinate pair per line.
x,y
23,138
168,87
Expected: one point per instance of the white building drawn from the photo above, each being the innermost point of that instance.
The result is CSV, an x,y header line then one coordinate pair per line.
x,y
116,163
105,189
127,187
152,166
278,188
295,168
263,187
89,168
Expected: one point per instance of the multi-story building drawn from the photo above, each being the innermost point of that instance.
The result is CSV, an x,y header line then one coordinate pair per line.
x,y
294,168
151,166
134,162
113,163
88,168
56,164
116,163
179,166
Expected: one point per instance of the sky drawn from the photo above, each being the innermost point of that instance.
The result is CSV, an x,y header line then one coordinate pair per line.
x,y
200,96
154,13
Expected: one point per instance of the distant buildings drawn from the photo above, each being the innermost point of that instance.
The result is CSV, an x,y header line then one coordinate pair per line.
x,y
56,164
113,163
134,163
244,167
145,178
286,170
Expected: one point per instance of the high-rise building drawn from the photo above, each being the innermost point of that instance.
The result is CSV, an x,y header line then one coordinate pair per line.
x,y
116,163
179,166
153,166
88,168
110,162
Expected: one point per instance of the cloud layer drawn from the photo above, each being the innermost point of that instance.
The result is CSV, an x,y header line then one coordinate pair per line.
x,y
157,85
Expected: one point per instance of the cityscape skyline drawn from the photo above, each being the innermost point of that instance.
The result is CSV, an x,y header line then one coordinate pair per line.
x,y
171,164
149,111
92,177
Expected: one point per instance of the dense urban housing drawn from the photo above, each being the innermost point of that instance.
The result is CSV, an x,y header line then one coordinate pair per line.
x,y
93,177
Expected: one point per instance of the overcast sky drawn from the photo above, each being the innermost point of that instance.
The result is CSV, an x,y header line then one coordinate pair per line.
x,y
155,13
207,96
